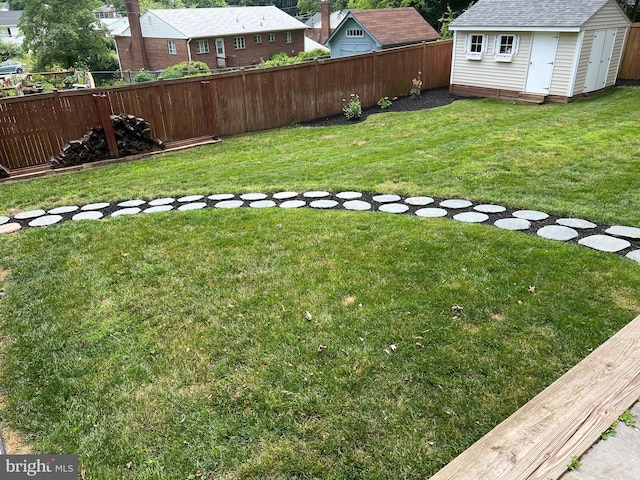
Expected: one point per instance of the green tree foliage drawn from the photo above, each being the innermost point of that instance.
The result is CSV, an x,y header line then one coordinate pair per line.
x,y
17,4
65,34
9,50
158,4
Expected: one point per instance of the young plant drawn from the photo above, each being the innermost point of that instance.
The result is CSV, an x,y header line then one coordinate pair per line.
x,y
416,87
574,463
628,418
352,108
610,432
384,103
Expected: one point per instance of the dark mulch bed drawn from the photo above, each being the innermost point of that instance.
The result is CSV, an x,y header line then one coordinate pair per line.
x,y
428,99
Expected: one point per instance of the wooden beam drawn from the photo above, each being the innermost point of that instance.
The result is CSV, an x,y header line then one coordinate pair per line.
x,y
565,420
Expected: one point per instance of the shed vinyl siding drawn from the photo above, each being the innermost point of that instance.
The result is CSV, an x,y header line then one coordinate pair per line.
x,y
609,16
487,72
585,53
616,57
563,64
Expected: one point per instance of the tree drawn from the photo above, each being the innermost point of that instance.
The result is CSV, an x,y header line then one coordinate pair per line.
x,y
155,4
17,4
64,34
9,50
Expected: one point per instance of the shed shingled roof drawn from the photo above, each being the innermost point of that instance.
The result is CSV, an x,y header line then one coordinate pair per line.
x,y
396,26
528,13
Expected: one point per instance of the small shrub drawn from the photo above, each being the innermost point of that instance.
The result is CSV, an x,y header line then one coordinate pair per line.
x,y
169,74
384,103
353,108
416,87
185,69
144,77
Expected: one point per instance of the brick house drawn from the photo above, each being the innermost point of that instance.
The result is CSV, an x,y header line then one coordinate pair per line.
x,y
219,37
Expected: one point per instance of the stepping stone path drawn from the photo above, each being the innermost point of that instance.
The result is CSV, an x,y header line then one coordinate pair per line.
x,y
618,239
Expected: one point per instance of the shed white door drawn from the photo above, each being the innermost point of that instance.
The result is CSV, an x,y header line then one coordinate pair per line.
x,y
541,61
600,60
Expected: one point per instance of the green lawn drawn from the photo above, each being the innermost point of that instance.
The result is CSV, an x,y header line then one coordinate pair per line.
x,y
168,345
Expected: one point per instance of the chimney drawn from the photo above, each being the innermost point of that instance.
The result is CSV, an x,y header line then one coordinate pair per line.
x,y
138,51
325,20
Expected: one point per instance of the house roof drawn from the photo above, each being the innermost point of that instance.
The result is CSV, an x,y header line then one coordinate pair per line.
x,y
334,19
526,14
184,23
10,18
394,26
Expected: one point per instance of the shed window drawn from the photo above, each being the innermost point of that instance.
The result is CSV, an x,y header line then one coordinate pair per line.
x,y
172,47
476,46
355,33
506,47
202,46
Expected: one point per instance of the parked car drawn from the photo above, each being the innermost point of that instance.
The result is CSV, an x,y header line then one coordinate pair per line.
x,y
11,66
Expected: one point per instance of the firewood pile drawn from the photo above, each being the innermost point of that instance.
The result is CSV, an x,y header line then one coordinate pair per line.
x,y
133,136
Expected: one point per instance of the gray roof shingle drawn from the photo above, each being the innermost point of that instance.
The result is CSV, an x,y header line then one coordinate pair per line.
x,y
528,13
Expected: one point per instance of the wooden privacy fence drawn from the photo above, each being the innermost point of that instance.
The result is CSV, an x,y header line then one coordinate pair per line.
x,y
630,65
34,128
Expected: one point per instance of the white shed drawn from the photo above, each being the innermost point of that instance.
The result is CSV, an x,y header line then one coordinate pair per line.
x,y
537,50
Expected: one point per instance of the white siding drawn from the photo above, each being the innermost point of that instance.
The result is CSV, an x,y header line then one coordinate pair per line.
x,y
563,64
609,16
154,27
585,53
616,56
487,72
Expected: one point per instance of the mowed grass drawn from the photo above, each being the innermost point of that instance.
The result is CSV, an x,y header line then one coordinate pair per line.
x,y
579,159
178,344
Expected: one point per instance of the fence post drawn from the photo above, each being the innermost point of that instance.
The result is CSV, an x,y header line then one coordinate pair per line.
x,y
207,93
105,122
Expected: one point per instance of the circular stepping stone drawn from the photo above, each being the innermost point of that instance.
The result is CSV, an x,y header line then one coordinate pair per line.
x,y
132,203
60,210
393,208
349,195
513,224
45,221
604,243
4,220
557,232
323,204
10,227
161,201
386,198
490,208
29,214
190,198
221,196
532,215
253,196
358,205
318,194
431,212
263,204
158,208
635,255
230,204
192,206
126,211
455,203
91,215
418,201
620,231
576,223
95,206
471,217
285,195
293,204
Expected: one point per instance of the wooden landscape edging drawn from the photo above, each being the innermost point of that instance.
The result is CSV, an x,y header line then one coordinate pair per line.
x,y
538,441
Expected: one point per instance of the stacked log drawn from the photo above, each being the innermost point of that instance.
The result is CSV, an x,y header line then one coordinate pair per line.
x,y
133,136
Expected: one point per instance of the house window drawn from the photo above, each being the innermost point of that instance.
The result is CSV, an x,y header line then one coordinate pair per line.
x,y
476,46
238,43
506,47
287,37
355,33
202,46
172,47
220,47
271,37
257,39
